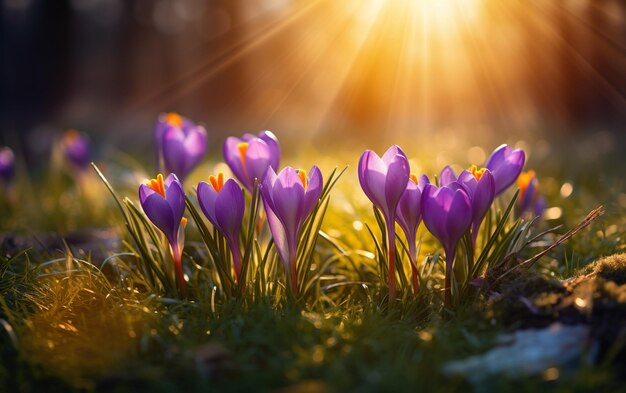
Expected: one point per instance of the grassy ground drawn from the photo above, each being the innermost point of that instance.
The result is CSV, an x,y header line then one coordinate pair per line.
x,y
71,326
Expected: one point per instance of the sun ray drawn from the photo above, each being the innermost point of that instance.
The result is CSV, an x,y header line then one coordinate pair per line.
x,y
194,79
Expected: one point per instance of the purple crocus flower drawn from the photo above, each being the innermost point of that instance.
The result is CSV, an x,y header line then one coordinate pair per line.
x,y
289,198
530,198
480,187
223,204
77,149
505,164
180,143
409,216
7,165
447,213
164,204
250,156
384,180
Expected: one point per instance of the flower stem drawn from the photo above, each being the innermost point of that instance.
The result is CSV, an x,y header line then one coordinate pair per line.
x,y
178,265
448,288
236,253
294,275
414,272
391,255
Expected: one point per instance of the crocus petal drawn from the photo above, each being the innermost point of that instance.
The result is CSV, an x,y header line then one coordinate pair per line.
x,y
468,181
447,176
229,208
434,212
258,158
174,152
505,164
233,159
497,157
529,195
409,210
372,176
278,234
195,144
482,196
540,206
159,212
272,142
396,180
459,217
288,198
391,153
206,199
175,196
313,190
422,181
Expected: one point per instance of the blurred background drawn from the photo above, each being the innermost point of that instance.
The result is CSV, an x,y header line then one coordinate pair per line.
x,y
322,71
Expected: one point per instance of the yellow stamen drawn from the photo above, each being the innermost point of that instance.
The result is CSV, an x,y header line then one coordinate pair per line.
x,y
183,222
477,173
243,149
174,119
217,182
413,177
157,185
302,176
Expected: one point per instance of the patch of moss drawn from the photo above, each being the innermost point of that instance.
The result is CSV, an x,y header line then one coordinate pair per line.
x,y
611,268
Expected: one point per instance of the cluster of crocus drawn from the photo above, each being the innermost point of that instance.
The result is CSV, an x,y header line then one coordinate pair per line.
x,y
289,197
77,150
530,201
451,209
180,144
163,201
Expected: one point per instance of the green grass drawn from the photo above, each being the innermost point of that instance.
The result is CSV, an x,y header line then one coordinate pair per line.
x,y
67,325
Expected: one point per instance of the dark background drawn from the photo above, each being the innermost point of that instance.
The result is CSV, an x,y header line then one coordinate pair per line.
x,y
322,71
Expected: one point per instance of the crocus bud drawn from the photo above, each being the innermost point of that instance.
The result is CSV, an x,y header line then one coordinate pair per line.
x,y
77,149
480,187
180,143
223,204
384,180
7,165
530,199
505,164
447,213
163,201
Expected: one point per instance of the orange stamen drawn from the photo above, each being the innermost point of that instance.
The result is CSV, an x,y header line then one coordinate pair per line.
x,y
302,176
243,149
183,222
174,119
157,185
477,173
217,182
413,178
71,135
524,180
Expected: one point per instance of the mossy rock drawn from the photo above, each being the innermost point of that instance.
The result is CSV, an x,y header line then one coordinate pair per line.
x,y
611,268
